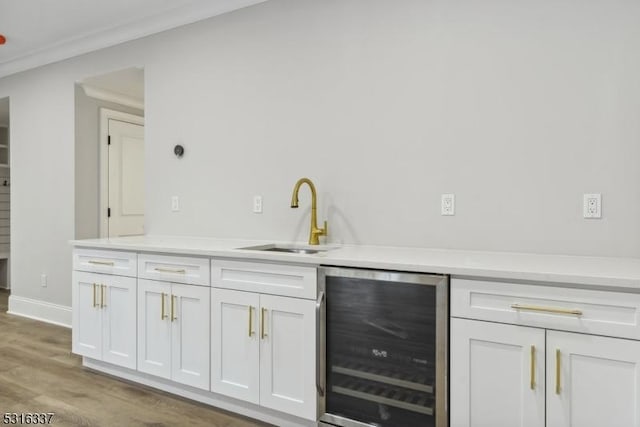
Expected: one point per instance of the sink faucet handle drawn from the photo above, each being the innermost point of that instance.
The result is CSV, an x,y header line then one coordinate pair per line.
x,y
320,231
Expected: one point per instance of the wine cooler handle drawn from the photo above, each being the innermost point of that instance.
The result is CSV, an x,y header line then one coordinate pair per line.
x,y
320,344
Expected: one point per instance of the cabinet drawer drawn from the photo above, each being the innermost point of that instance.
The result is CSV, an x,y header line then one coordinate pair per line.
x,y
581,310
108,262
190,270
276,279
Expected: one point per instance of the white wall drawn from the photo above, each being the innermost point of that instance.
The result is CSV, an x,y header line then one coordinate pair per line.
x,y
42,159
516,107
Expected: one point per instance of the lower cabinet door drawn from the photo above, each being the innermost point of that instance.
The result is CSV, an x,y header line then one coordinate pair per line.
x,y
189,312
592,381
118,302
288,355
87,315
154,328
496,375
235,351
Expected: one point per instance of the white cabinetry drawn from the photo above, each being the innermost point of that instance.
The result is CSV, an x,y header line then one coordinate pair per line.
x,y
107,262
169,268
103,318
497,375
235,344
288,355
497,370
263,346
173,332
592,381
252,337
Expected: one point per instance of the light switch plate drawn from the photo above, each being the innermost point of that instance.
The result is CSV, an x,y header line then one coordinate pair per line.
x,y
257,204
175,204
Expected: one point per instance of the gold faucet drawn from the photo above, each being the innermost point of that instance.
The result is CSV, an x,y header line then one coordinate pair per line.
x,y
315,231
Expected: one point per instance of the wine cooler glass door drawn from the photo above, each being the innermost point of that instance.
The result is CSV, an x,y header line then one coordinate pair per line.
x,y
385,348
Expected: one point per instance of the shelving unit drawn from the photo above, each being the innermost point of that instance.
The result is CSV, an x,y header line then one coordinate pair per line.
x,y
4,146
5,206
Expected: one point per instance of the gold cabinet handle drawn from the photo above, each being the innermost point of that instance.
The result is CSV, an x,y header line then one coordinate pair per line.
x,y
173,308
170,270
162,315
557,371
263,334
525,307
533,367
103,296
93,261
250,321
95,303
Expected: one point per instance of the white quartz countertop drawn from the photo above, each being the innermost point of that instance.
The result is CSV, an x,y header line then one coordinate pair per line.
x,y
621,273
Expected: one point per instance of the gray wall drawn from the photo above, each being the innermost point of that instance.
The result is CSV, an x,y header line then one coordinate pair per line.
x,y
87,161
516,107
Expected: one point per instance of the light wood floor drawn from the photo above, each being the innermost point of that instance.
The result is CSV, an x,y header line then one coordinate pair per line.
x,y
38,373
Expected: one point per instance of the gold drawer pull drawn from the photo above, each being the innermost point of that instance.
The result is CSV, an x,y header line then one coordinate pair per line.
x,y
162,315
173,308
533,367
103,296
250,321
263,334
542,309
95,303
93,261
557,371
170,270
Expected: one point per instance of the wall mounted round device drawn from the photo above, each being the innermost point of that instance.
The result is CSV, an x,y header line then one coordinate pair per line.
x,y
178,150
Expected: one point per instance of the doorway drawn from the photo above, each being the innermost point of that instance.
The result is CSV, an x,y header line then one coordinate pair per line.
x,y
110,155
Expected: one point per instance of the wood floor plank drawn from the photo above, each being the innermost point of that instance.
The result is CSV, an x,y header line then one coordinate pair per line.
x,y
38,373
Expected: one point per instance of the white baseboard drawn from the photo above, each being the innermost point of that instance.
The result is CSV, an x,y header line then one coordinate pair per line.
x,y
40,310
226,403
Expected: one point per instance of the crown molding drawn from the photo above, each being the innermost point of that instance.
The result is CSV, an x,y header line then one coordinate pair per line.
x,y
109,96
85,43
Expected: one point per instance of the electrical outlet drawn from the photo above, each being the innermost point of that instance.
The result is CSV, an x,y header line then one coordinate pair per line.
x,y
175,204
257,204
448,204
592,206
43,280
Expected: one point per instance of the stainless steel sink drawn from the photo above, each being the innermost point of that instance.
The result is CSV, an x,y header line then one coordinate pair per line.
x,y
286,248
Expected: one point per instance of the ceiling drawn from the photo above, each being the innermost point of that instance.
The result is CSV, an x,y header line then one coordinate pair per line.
x,y
44,31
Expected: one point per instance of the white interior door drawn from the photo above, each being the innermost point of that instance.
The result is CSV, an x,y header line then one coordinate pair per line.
x,y
126,179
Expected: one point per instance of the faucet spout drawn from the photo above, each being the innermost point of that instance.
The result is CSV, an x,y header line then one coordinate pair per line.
x,y
314,232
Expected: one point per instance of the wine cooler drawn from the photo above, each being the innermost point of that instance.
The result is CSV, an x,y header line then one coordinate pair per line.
x,y
383,348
